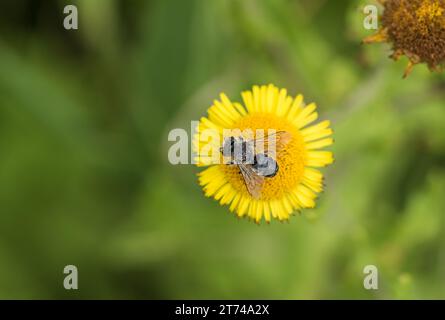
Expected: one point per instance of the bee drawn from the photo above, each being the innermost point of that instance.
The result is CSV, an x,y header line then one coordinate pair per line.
x,y
255,158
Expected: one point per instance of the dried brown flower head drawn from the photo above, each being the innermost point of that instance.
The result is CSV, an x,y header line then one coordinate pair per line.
x,y
416,29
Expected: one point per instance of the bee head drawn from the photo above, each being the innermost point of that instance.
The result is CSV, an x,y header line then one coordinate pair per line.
x,y
265,166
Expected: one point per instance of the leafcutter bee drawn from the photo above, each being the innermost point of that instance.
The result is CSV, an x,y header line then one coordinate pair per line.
x,y
255,158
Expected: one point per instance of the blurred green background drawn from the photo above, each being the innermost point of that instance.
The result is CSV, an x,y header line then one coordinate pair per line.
x,y
84,176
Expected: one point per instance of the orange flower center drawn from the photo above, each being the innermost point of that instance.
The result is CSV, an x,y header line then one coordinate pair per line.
x,y
291,159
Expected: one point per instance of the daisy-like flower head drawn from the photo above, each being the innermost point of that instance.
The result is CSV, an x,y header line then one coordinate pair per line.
x,y
416,29
297,181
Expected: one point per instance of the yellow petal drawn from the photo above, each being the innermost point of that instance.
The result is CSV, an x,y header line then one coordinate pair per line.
x,y
319,144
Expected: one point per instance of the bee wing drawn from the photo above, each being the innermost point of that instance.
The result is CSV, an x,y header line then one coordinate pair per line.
x,y
279,138
253,182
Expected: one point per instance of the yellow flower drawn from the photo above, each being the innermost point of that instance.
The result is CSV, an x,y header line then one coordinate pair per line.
x,y
416,29
297,182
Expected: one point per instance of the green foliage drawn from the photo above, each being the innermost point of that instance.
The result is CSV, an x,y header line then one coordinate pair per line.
x,y
84,176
